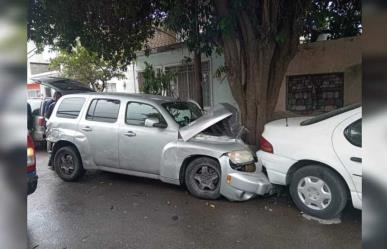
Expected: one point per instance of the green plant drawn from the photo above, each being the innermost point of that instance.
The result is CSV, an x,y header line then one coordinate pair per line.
x,y
156,81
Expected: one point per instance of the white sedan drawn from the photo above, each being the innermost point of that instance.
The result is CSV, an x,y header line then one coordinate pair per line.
x,y
319,158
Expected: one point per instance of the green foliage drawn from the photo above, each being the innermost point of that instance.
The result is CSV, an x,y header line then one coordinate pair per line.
x,y
221,72
194,21
335,18
156,81
114,30
86,67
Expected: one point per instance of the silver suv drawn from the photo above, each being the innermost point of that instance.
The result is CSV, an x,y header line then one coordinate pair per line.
x,y
155,137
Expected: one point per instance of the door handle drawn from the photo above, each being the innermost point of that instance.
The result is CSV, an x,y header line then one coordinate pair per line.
x,y
130,134
86,128
356,159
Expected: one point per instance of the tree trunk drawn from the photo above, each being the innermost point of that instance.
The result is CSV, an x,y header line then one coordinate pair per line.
x,y
197,65
198,88
257,53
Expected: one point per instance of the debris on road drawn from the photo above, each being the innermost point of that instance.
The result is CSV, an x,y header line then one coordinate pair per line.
x,y
210,205
322,221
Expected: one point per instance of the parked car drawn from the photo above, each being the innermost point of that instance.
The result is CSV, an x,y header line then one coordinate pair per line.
x,y
154,137
63,85
319,158
39,122
32,178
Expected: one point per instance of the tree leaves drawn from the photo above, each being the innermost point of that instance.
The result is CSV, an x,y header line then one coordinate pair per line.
x,y
335,18
85,66
114,30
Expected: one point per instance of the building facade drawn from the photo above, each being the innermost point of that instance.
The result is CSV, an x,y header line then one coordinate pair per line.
x,y
323,76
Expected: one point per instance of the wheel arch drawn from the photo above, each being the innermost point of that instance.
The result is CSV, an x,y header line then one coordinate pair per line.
x,y
187,161
303,163
62,143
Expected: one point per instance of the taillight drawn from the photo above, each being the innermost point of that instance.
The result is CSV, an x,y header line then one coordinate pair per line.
x,y
264,145
31,159
41,121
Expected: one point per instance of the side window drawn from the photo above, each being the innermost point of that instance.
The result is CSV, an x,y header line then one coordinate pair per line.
x,y
70,107
136,113
103,110
353,133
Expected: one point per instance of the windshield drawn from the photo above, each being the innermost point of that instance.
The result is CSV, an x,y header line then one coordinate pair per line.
x,y
183,112
330,114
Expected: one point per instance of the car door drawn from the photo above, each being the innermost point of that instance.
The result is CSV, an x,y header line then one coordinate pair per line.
x,y
142,140
100,127
347,144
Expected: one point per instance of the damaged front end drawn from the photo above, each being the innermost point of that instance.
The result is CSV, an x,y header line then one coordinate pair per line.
x,y
221,121
220,130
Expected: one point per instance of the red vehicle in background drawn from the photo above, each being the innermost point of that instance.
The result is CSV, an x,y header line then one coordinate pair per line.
x,y
32,177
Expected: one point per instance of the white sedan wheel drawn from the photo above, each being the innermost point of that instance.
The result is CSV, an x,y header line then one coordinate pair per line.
x,y
314,193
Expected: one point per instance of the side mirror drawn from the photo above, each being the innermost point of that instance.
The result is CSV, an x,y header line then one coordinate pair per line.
x,y
154,122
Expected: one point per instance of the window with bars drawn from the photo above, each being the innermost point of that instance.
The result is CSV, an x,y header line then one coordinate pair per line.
x,y
182,86
318,92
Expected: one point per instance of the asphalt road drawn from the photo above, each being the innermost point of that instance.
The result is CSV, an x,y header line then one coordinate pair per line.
x,y
105,210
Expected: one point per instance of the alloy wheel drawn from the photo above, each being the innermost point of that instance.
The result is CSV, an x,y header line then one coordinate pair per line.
x,y
66,164
206,178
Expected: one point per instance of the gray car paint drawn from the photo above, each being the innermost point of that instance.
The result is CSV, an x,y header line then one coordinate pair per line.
x,y
154,152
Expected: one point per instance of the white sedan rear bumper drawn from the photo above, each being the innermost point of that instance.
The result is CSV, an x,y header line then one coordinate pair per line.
x,y
276,166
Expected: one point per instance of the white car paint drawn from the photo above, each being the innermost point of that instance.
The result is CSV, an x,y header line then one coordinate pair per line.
x,y
322,142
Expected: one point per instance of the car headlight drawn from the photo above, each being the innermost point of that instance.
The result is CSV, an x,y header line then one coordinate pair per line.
x,y
241,157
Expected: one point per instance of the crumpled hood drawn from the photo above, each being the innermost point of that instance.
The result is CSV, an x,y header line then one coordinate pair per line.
x,y
216,114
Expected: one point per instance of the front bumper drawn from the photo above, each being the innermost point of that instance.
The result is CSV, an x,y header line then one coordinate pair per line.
x,y
242,186
32,183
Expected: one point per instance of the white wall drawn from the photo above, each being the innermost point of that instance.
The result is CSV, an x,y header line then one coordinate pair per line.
x,y
33,56
129,83
220,90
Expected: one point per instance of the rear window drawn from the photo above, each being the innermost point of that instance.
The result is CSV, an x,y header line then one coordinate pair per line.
x,y
330,114
103,110
70,107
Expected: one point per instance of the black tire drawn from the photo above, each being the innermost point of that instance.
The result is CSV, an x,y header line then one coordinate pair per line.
x,y
336,187
196,167
72,158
